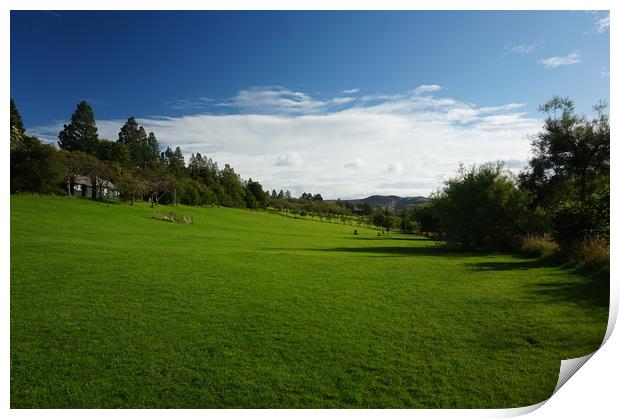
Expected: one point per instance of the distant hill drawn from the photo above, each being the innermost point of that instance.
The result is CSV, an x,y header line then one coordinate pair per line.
x,y
393,202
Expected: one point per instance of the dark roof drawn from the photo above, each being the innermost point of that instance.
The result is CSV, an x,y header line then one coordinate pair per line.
x,y
85,180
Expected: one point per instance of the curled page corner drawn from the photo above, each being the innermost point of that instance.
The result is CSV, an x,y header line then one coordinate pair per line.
x,y
520,411
568,367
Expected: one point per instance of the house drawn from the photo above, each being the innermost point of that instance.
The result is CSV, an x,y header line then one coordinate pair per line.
x,y
83,187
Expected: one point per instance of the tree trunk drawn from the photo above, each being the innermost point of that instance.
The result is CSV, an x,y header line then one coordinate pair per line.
x,y
93,185
583,185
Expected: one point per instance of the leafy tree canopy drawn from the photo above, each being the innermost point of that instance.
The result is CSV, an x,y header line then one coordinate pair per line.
x,y
81,133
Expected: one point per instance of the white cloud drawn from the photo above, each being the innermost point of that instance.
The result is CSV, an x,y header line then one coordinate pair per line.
x,y
357,164
524,49
395,167
341,100
421,138
275,99
291,159
350,91
427,88
552,62
602,23
605,71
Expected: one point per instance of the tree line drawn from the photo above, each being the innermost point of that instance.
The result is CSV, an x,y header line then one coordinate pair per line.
x,y
560,199
140,170
134,162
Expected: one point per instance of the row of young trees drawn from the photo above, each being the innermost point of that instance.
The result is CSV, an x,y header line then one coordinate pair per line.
x,y
140,170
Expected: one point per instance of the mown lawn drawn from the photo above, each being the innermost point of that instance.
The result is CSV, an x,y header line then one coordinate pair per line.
x,y
111,308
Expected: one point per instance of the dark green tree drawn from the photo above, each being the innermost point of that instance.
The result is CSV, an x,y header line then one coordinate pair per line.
x,y
17,127
255,197
143,148
570,153
174,160
16,119
81,133
113,152
481,208
234,192
36,167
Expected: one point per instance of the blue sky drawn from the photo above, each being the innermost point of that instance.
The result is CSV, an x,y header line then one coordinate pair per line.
x,y
342,103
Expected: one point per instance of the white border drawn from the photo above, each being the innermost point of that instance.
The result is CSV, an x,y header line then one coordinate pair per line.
x,y
593,392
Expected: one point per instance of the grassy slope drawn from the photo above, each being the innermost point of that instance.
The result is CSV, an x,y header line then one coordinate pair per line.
x,y
110,308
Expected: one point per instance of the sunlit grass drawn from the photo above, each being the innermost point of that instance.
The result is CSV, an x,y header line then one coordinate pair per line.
x,y
111,308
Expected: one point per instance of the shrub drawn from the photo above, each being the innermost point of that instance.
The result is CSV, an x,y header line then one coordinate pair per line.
x,y
594,254
35,167
539,246
481,208
578,221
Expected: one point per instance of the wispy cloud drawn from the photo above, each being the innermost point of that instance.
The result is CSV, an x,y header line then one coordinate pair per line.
x,y
190,104
605,71
341,100
290,159
401,144
427,88
396,167
553,62
357,164
524,49
601,22
275,100
52,13
350,91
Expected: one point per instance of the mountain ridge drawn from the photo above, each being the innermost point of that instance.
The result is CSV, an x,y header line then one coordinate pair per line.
x,y
392,202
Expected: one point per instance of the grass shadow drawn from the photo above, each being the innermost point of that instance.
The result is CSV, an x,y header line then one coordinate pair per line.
x,y
583,287
590,290
392,251
383,238
524,263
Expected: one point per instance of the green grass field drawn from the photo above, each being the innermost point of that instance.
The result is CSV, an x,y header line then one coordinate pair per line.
x,y
111,308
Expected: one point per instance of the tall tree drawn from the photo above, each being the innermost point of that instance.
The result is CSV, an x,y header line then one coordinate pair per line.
x,y
143,148
151,150
81,133
174,160
17,127
255,197
570,152
234,192
113,152
129,132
